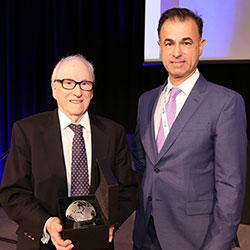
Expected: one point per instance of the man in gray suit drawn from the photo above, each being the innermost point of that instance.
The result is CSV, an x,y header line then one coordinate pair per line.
x,y
195,166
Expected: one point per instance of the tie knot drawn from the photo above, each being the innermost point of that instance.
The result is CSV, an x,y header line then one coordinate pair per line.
x,y
77,128
174,92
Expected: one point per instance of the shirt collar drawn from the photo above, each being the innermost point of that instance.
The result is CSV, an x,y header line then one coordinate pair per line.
x,y
65,121
187,85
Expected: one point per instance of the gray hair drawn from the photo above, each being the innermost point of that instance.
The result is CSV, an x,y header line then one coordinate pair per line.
x,y
79,57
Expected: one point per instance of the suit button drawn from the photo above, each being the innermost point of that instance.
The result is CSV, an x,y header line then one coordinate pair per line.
x,y
157,170
149,198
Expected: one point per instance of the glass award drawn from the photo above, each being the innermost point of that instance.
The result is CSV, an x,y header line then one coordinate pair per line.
x,y
82,213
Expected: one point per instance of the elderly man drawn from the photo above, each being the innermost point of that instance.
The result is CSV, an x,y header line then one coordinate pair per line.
x,y
41,167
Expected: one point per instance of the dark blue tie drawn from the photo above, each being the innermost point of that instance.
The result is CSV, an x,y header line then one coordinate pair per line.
x,y
79,167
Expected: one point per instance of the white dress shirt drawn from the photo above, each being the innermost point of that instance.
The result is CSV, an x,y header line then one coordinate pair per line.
x,y
185,88
67,139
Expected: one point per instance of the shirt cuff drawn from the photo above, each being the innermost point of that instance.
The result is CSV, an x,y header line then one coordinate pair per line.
x,y
46,236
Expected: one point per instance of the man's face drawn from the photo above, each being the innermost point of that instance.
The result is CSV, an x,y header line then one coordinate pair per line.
x,y
73,103
180,47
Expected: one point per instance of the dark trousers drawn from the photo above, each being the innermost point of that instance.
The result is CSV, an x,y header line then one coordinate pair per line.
x,y
151,240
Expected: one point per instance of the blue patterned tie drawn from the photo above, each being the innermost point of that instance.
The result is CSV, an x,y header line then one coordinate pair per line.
x,y
79,168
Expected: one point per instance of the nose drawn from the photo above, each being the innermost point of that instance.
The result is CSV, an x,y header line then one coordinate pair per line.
x,y
77,91
177,51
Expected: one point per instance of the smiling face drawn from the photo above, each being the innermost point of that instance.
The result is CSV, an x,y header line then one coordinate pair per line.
x,y
180,46
73,103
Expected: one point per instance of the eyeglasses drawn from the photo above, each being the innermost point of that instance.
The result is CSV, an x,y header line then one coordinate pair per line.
x,y
70,84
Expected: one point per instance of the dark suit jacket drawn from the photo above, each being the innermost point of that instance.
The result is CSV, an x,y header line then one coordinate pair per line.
x,y
194,187
34,175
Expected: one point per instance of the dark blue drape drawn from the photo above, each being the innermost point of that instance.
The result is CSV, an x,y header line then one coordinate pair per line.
x,y
35,34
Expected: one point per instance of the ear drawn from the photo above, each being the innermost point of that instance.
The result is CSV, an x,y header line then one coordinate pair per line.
x,y
201,45
159,44
53,87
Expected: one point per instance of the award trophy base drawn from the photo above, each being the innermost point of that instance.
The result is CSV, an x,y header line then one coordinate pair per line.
x,y
105,201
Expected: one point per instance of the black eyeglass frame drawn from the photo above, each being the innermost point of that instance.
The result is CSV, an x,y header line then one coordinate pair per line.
x,y
76,83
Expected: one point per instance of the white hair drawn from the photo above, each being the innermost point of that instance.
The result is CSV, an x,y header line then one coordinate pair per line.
x,y
79,57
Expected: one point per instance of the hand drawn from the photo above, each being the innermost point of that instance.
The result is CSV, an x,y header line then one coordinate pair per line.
x,y
111,230
54,228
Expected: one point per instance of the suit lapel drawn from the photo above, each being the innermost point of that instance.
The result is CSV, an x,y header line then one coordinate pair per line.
x,y
99,139
192,103
54,150
99,149
149,136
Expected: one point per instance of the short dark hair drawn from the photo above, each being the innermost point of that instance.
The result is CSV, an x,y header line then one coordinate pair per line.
x,y
180,14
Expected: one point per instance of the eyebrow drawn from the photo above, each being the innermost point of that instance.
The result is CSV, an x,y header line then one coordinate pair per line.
x,y
187,38
183,39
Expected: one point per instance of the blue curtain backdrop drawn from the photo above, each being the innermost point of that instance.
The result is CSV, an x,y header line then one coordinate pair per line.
x,y
34,35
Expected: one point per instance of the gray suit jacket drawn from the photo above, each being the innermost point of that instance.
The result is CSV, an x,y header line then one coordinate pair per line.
x,y
194,187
